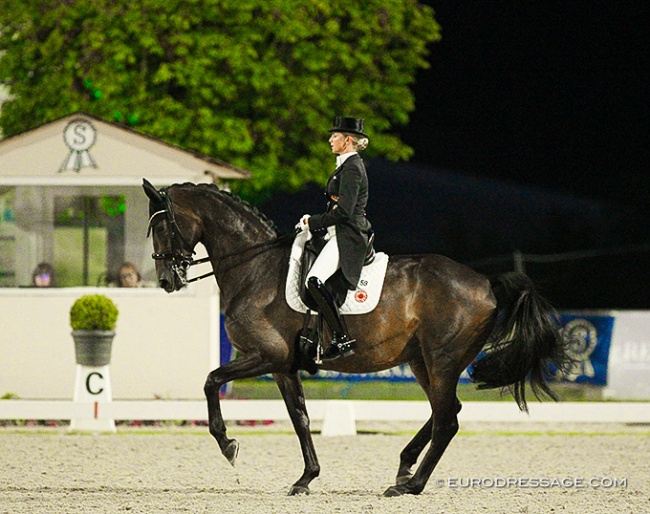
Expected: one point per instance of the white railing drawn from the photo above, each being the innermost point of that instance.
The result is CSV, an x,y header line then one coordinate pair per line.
x,y
338,416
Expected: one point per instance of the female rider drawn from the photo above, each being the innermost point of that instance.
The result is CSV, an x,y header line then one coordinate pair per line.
x,y
344,226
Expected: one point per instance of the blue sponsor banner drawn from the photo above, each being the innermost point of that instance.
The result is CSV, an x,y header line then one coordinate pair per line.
x,y
226,353
588,339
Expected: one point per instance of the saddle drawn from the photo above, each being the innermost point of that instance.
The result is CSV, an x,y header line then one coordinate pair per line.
x,y
336,283
362,300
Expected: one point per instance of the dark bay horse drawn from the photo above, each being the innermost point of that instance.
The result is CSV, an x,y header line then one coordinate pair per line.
x,y
434,314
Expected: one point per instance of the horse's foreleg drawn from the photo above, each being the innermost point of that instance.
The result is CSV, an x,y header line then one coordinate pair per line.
x,y
242,367
294,398
444,426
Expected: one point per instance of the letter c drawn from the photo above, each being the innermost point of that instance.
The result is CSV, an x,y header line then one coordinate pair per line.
x,y
90,375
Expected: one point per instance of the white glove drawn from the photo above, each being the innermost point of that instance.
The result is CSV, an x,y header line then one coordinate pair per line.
x,y
303,224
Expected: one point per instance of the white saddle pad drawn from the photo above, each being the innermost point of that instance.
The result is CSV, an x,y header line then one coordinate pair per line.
x,y
360,301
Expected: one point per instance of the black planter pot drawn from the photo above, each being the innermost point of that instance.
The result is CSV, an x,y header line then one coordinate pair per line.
x,y
93,347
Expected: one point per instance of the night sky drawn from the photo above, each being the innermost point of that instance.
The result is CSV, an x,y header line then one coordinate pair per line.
x,y
530,133
551,93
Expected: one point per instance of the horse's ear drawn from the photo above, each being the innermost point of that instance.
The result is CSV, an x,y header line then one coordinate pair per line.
x,y
151,191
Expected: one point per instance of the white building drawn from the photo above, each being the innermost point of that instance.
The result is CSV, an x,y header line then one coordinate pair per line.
x,y
71,194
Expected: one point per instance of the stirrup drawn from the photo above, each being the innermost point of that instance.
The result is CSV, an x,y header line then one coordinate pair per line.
x,y
339,348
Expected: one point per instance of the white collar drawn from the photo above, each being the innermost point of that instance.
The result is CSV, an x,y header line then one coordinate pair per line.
x,y
340,159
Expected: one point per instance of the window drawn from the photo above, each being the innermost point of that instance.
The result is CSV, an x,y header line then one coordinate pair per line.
x,y
88,238
7,238
85,233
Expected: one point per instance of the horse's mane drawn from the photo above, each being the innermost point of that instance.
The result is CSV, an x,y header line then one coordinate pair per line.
x,y
232,199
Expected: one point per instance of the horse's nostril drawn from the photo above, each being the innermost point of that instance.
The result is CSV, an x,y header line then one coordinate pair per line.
x,y
164,283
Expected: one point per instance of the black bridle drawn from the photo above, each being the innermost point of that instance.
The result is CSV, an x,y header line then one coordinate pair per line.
x,y
180,262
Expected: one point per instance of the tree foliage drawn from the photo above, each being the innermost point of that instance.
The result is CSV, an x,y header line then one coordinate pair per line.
x,y
255,83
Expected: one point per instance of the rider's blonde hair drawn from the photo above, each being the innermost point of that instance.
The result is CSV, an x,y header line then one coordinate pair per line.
x,y
359,142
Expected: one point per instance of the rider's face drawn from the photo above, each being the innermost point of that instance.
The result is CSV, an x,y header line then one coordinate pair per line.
x,y
339,143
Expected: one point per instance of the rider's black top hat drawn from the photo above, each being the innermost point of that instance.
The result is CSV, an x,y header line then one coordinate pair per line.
x,y
349,125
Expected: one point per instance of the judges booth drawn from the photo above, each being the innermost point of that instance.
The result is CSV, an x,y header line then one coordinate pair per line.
x,y
71,196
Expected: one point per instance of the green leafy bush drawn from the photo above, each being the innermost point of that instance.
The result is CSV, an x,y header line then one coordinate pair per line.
x,y
273,75
93,312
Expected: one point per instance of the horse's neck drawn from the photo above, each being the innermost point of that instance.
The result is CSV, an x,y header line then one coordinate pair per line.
x,y
256,274
232,228
235,243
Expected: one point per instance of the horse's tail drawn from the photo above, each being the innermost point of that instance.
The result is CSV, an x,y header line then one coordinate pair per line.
x,y
524,343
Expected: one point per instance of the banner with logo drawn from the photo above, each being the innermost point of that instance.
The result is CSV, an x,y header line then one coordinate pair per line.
x,y
588,338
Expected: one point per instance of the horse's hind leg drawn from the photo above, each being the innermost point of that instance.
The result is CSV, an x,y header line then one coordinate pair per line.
x,y
444,426
411,452
294,398
242,367
409,455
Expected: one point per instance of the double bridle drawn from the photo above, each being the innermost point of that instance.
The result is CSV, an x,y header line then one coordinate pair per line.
x,y
180,262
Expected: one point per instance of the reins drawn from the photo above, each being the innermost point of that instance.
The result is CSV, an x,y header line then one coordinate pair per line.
x,y
180,261
265,244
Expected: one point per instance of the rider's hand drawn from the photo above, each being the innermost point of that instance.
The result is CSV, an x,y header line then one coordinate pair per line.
x,y
303,224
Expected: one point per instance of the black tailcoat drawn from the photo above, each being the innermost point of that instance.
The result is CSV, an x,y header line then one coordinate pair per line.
x,y
347,190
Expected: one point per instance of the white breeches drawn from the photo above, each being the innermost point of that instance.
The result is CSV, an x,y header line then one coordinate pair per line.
x,y
327,261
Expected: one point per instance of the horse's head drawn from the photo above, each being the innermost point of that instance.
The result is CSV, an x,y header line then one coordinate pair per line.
x,y
174,238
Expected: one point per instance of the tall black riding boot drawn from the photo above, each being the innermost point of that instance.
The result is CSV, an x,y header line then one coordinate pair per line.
x,y
341,345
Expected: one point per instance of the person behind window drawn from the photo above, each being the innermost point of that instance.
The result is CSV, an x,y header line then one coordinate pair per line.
x,y
129,276
43,275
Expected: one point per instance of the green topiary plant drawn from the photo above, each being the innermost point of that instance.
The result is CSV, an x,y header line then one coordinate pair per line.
x,y
93,312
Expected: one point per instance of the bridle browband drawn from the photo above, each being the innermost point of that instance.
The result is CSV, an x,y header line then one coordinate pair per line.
x,y
181,262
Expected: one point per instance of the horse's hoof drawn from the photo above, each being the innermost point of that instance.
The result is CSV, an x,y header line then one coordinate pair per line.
x,y
403,479
231,451
393,491
298,489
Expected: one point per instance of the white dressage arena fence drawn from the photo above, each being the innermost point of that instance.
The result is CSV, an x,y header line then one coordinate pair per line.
x,y
338,417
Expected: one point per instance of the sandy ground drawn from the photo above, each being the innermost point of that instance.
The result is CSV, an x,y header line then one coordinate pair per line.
x,y
487,469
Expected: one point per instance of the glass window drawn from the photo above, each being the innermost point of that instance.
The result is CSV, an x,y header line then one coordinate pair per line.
x,y
54,236
88,238
7,238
